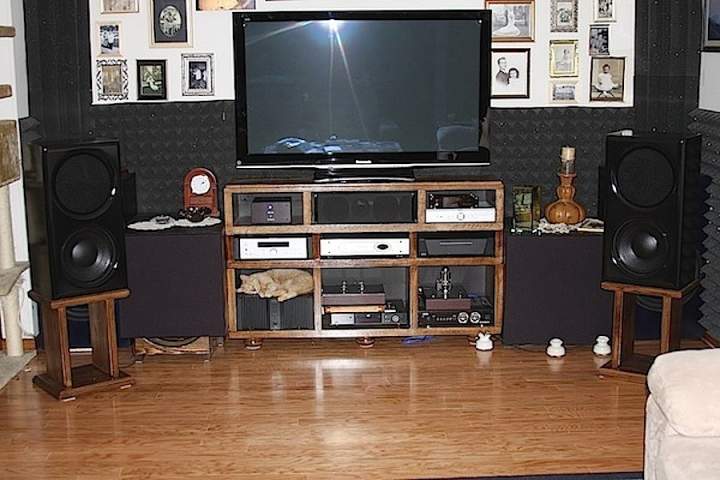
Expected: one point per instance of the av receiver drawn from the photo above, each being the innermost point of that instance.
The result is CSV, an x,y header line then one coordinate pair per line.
x,y
480,313
458,208
273,211
394,315
365,247
269,248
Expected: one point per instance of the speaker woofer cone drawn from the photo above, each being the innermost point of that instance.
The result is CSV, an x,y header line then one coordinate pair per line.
x,y
89,257
640,248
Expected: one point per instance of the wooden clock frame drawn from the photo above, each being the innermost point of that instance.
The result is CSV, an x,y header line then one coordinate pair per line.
x,y
209,199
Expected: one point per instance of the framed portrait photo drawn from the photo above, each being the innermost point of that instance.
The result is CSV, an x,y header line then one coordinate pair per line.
x,y
512,21
510,73
604,11
563,92
111,79
119,6
599,40
225,5
170,24
564,15
152,80
109,38
198,77
607,79
564,58
711,29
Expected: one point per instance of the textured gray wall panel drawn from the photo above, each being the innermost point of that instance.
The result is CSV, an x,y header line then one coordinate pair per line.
x,y
708,124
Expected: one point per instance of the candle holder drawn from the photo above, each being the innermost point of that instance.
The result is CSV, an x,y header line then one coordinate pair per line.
x,y
565,209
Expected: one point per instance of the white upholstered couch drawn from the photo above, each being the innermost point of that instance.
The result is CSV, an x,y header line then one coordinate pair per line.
x,y
682,427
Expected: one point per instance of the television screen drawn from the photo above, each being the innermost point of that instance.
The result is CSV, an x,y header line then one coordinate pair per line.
x,y
375,88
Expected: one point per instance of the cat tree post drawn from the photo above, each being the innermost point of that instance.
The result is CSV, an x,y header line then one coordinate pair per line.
x,y
9,273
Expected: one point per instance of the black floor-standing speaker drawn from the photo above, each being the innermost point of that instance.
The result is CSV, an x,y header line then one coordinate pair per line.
x,y
652,202
75,218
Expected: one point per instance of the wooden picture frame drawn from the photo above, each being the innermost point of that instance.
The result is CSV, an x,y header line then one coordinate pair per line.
x,y
564,58
109,39
711,26
119,6
111,78
229,5
563,16
512,21
151,79
10,170
504,62
170,23
604,11
198,75
602,87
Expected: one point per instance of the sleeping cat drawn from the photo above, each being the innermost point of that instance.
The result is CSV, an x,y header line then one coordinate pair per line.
x,y
281,283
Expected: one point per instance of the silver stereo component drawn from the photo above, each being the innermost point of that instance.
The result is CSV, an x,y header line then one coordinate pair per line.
x,y
460,215
269,248
364,247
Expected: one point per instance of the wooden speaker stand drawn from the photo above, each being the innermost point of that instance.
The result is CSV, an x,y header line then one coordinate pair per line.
x,y
64,382
625,363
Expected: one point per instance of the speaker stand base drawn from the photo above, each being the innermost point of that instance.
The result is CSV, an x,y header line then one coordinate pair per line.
x,y
625,363
63,381
86,379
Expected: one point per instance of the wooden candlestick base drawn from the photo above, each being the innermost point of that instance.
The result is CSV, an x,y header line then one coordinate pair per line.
x,y
565,209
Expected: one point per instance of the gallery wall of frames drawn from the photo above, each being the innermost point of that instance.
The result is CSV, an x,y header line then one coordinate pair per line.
x,y
546,53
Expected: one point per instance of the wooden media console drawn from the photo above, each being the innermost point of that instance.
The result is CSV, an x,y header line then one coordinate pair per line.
x,y
403,275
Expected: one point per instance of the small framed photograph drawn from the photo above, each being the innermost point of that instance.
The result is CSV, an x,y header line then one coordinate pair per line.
x,y
563,92
170,25
225,5
112,79
607,79
119,6
604,11
563,58
599,40
564,16
512,21
511,73
527,210
197,74
151,80
711,22
109,37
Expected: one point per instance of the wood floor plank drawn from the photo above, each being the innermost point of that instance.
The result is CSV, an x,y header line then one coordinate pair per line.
x,y
328,409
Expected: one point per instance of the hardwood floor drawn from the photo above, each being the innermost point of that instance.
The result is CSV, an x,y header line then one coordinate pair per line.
x,y
328,410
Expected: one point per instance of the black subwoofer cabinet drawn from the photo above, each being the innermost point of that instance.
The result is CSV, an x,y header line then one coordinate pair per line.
x,y
176,280
553,289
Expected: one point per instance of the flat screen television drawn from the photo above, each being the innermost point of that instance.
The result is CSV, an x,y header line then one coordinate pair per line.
x,y
362,89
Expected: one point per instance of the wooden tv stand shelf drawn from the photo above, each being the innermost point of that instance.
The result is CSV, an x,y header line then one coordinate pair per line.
x,y
417,269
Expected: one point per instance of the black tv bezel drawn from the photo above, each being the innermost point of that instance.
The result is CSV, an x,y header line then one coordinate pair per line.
x,y
370,160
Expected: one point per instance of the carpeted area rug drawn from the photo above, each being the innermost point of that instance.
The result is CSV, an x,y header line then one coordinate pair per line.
x,y
11,366
579,476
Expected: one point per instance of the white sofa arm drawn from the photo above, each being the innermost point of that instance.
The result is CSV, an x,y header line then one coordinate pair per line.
x,y
686,387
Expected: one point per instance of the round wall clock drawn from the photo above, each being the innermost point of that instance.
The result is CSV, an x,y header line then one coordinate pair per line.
x,y
200,190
